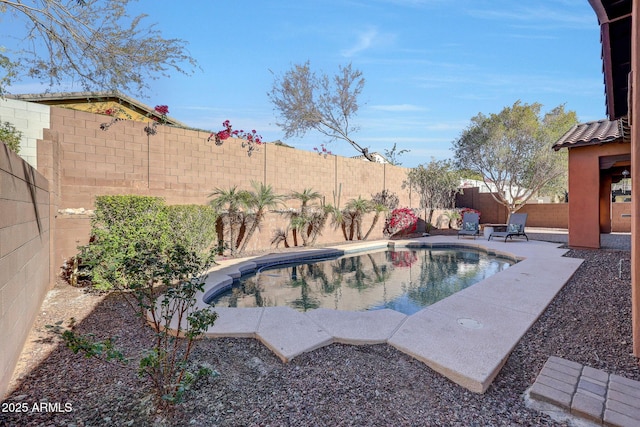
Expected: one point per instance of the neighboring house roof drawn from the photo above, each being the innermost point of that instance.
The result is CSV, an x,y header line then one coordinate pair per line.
x,y
614,17
379,158
594,133
101,100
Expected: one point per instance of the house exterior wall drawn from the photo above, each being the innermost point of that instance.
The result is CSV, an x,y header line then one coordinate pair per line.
x,y
30,119
24,255
584,192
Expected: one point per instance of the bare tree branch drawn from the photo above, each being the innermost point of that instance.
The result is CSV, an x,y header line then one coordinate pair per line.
x,y
305,101
93,42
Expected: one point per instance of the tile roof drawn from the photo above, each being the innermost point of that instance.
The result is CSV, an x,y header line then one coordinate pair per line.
x,y
593,133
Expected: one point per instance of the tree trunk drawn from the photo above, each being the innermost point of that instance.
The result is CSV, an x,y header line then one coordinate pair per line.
x,y
373,224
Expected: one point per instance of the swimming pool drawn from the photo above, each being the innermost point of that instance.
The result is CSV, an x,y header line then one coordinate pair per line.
x,y
405,280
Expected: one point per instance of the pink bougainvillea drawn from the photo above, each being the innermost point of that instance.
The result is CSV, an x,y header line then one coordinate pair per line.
x,y
163,110
250,139
402,220
323,150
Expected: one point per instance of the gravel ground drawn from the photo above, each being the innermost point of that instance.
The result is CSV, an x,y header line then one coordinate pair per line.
x,y
339,385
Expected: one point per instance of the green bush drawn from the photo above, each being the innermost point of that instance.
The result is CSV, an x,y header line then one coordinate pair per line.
x,y
194,226
124,226
156,256
121,227
10,136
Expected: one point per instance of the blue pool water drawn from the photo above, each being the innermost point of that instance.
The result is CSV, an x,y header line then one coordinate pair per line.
x,y
404,280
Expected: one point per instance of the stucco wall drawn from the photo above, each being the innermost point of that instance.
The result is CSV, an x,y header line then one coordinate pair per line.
x,y
621,217
584,192
24,255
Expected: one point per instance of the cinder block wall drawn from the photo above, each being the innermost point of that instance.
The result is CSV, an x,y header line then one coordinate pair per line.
x,y
548,215
24,255
30,119
82,162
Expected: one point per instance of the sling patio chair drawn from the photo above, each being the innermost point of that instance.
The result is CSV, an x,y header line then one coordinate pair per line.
x,y
470,225
515,227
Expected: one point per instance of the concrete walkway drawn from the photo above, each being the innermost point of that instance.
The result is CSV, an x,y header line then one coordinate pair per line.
x,y
466,337
567,390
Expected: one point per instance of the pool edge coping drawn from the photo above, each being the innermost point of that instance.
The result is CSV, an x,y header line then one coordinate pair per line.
x,y
306,333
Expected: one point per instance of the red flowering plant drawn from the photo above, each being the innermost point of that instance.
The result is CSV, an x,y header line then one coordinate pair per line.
x,y
401,220
163,110
250,140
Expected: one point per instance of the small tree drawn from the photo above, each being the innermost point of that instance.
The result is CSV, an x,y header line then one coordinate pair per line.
x,y
306,101
393,155
387,199
512,150
437,185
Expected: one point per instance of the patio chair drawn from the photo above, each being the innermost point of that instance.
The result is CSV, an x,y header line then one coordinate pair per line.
x,y
515,227
470,225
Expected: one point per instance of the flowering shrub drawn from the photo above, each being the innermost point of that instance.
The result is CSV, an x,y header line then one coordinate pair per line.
x,y
163,110
323,151
401,220
466,210
250,139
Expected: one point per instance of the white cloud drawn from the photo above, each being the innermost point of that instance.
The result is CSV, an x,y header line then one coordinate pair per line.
x,y
367,39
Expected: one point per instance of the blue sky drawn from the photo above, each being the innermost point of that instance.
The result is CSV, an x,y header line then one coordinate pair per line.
x,y
429,65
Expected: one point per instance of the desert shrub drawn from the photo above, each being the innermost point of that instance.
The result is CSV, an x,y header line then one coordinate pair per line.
x,y
120,227
156,257
386,198
194,226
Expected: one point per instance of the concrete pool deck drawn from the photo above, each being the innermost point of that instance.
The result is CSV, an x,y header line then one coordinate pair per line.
x,y
466,337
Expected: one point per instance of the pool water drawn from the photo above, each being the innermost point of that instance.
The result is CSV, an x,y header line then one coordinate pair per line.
x,y
403,280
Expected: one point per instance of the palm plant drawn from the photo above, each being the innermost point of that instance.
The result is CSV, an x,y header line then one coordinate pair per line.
x,y
229,203
301,222
378,208
260,199
356,209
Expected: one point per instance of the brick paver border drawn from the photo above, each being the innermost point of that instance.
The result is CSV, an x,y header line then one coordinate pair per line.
x,y
588,393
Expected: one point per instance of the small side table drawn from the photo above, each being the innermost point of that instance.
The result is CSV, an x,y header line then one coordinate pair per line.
x,y
490,228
